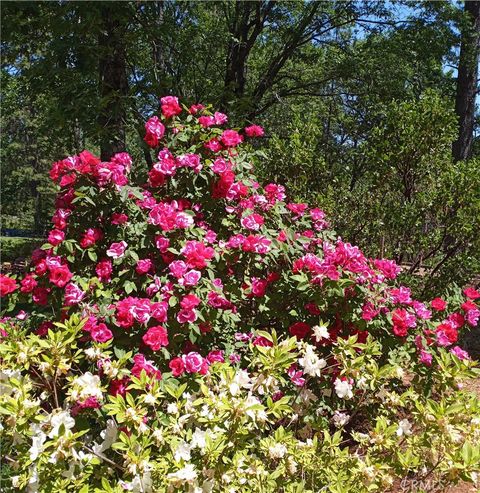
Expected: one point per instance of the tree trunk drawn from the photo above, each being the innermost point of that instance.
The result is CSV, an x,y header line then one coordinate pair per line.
x,y
245,26
467,81
113,80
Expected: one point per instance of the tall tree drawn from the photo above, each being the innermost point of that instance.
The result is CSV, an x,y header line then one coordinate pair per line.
x,y
113,79
467,81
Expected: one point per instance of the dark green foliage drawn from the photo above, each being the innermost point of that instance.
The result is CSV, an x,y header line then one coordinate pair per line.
x,y
357,99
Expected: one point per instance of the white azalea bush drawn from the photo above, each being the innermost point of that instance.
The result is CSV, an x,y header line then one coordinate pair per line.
x,y
234,429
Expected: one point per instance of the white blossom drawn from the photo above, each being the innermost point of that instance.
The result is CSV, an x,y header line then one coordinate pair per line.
x,y
320,332
340,419
186,474
343,389
182,451
404,428
311,363
199,439
172,408
277,451
85,386
59,419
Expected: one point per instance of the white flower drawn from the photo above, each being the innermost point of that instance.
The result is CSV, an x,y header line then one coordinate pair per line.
x,y
187,474
59,419
158,435
340,419
320,332
149,399
254,409
243,379
37,444
172,408
404,428
182,451
311,363
343,389
85,386
93,353
362,383
199,439
5,376
277,451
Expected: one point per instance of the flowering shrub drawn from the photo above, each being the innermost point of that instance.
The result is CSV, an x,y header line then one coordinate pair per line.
x,y
200,332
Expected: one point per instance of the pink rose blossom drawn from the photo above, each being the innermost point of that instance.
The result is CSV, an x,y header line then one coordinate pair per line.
x,y
117,250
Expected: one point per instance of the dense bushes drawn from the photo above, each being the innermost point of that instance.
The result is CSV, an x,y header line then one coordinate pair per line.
x,y
398,194
13,248
200,332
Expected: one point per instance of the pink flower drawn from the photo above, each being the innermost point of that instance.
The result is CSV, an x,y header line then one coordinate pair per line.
x,y
7,285
101,333
166,163
195,108
154,131
177,366
186,316
197,254
438,304
254,131
446,333
60,275
156,337
387,267
221,166
73,294
190,161
401,295
55,237
402,321
213,145
472,317
60,217
258,286
170,106
178,268
104,270
215,356
471,293
296,376
206,121
220,118
90,237
190,301
460,353
144,266
369,312
159,311
162,243
28,283
118,218
231,138
425,358
191,277
117,250
193,362
40,295
141,363
253,221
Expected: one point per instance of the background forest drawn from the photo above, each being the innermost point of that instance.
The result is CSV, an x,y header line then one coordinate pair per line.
x,y
369,108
